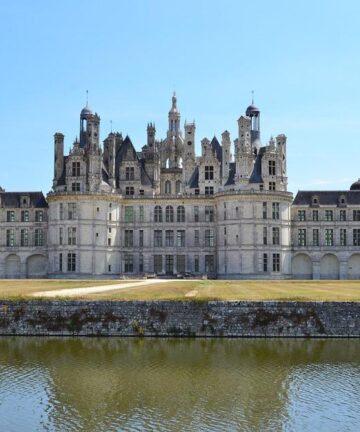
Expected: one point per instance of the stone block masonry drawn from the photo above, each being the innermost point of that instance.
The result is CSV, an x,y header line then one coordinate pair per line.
x,y
180,318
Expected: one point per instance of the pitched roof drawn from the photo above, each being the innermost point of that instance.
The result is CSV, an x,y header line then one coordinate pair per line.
x,y
125,149
327,197
232,171
13,199
217,149
256,176
194,179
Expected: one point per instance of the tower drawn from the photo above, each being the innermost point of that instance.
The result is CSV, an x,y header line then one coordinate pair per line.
x,y
58,156
151,134
189,152
226,156
89,130
174,119
254,114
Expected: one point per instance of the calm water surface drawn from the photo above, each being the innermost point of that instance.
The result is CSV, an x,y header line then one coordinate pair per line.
x,y
80,384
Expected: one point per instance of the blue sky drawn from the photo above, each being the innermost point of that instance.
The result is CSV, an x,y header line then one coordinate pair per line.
x,y
301,57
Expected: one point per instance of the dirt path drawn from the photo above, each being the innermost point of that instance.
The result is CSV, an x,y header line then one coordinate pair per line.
x,y
72,292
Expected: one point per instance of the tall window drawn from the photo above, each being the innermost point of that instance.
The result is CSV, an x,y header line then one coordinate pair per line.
x,y
169,264
196,238
209,238
129,238
209,263
265,262
181,214
158,214
329,216
329,237
157,263
272,169
356,215
129,214
209,190
157,238
169,238
315,215
209,172
141,213
75,187
39,216
302,237
196,214
178,186
180,238
61,236
272,186
10,238
128,263
141,263
25,216
71,236
209,214
75,169
61,262
141,238
72,211
10,216
169,214
342,215
356,237
275,210
301,215
39,237
316,240
71,262
168,187
276,236
343,237
196,264
24,237
180,263
276,262
265,236
264,210
129,173
61,211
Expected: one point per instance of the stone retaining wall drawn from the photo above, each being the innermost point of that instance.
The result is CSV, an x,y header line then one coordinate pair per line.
x,y
180,318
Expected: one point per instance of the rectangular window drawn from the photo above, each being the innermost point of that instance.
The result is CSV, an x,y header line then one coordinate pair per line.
x,y
141,263
141,213
157,238
180,238
209,238
356,215
316,241
130,173
180,264
129,238
75,187
301,215
196,264
10,238
25,216
129,214
342,215
264,210
272,186
109,242
129,190
196,238
315,215
276,236
209,214
276,262
329,215
71,211
157,264
39,216
275,210
128,263
10,216
141,192
39,237
272,169
141,238
343,239
329,237
75,169
60,236
265,236
24,237
169,264
356,237
61,262
302,237
61,211
209,190
71,236
169,238
197,191
209,264
196,214
265,262
71,262
209,172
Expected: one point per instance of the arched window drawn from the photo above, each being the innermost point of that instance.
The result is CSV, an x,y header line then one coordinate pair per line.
x,y
158,214
168,187
169,214
178,186
181,214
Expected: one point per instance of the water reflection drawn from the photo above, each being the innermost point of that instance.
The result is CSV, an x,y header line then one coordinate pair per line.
x,y
101,384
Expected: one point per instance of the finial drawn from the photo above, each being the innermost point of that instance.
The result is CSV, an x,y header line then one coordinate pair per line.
x,y
87,97
252,97
111,126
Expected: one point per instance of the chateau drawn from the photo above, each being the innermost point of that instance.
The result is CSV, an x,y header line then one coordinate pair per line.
x,y
166,211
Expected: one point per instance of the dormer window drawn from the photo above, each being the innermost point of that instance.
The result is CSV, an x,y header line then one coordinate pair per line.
x,y
272,167
315,201
129,173
209,172
342,201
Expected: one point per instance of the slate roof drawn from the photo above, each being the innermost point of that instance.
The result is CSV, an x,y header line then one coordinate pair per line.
x,y
232,171
194,179
327,197
217,149
123,150
12,199
256,174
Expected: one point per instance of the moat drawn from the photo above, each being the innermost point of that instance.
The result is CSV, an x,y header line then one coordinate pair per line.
x,y
131,384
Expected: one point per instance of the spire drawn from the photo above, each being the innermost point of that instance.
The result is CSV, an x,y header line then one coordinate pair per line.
x,y
252,97
87,97
174,100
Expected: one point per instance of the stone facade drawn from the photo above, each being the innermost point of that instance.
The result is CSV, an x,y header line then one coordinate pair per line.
x,y
164,210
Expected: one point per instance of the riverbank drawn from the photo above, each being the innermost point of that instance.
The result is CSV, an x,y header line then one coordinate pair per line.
x,y
180,318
